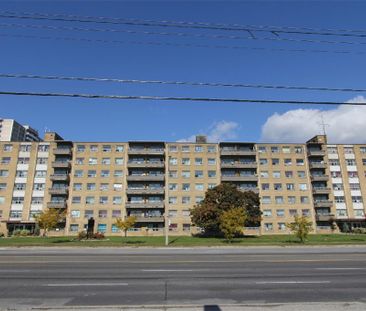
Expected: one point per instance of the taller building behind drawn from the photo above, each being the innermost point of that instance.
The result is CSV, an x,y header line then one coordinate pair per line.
x,y
11,130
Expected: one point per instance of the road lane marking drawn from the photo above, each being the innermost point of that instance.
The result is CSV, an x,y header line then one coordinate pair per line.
x,y
171,270
293,282
84,284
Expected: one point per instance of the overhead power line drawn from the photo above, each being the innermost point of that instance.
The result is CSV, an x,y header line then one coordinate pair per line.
x,y
178,34
194,25
158,43
181,99
188,83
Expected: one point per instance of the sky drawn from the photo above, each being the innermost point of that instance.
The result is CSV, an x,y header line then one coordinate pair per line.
x,y
115,120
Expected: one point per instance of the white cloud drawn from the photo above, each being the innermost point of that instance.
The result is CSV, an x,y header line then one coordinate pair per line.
x,y
219,131
345,124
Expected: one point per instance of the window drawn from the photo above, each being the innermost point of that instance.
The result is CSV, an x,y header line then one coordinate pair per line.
x,y
186,227
264,174
186,161
291,200
21,174
4,173
354,186
74,227
17,200
116,213
286,149
212,161
19,186
106,148
293,212
199,187
198,174
280,212
363,149
186,174
104,173
262,149
341,213
185,148
303,187
304,200
106,161
350,162
39,187
8,147
173,148
172,213
173,187
267,213
77,186
263,161
289,174
102,228
103,187
93,148
76,200
279,200
198,199
353,174
357,199
92,173
88,213
102,213
266,200
2,186
359,213
80,148
281,226
90,186
268,226
337,187
275,161
265,187
2,200
275,149
300,162
301,174
119,148
211,186
305,212
333,162
78,173
5,160
348,150
118,161
332,150
172,200
118,173
25,148
117,187
89,200
336,174
276,174
186,187
23,160
277,187
41,160
211,149
115,229
290,187
186,200
75,213
198,148
198,161
288,162
117,200
79,161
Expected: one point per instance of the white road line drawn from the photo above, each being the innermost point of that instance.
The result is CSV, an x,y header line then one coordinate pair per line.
x,y
85,284
293,282
169,270
345,268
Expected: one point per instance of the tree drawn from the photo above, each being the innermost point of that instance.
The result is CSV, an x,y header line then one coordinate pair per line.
x,y
222,198
126,224
300,227
49,219
232,222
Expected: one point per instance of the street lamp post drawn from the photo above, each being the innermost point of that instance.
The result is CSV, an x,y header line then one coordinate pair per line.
x,y
166,217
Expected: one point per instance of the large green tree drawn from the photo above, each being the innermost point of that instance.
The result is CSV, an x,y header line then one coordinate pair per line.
x,y
222,198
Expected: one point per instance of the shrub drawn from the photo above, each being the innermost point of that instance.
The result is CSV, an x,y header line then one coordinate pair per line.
x,y
98,236
82,235
359,230
2,235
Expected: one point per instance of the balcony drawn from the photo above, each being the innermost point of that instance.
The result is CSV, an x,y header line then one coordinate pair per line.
x,y
323,203
239,178
317,165
159,204
58,191
319,177
239,165
59,177
62,151
324,217
145,191
146,177
61,164
321,190
316,153
238,152
145,164
150,219
141,151
56,204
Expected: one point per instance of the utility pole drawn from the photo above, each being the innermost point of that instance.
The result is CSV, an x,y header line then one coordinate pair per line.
x,y
166,217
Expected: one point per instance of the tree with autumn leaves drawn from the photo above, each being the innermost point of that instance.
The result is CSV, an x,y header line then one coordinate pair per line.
x,y
125,224
209,214
49,219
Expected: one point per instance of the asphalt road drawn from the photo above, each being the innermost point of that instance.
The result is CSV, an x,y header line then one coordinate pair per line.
x,y
101,277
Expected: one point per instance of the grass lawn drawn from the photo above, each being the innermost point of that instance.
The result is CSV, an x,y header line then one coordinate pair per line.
x,y
281,240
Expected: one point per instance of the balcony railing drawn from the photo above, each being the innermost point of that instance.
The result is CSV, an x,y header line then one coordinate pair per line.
x,y
234,151
146,151
58,190
324,217
56,204
319,177
150,219
146,177
145,164
62,151
61,164
321,190
316,152
159,204
239,178
59,177
317,165
323,203
238,164
145,191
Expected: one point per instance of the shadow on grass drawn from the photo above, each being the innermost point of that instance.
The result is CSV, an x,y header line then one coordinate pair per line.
x,y
357,240
62,241
133,242
173,241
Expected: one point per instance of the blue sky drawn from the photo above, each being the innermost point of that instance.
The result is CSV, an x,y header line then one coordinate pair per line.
x,y
111,120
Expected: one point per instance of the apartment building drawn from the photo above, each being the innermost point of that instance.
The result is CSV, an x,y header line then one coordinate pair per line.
x,y
11,130
159,182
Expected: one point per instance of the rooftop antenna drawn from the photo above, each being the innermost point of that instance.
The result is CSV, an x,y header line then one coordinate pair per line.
x,y
323,126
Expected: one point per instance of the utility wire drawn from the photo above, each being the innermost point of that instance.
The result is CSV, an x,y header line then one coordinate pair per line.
x,y
179,34
139,22
189,83
157,43
172,98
